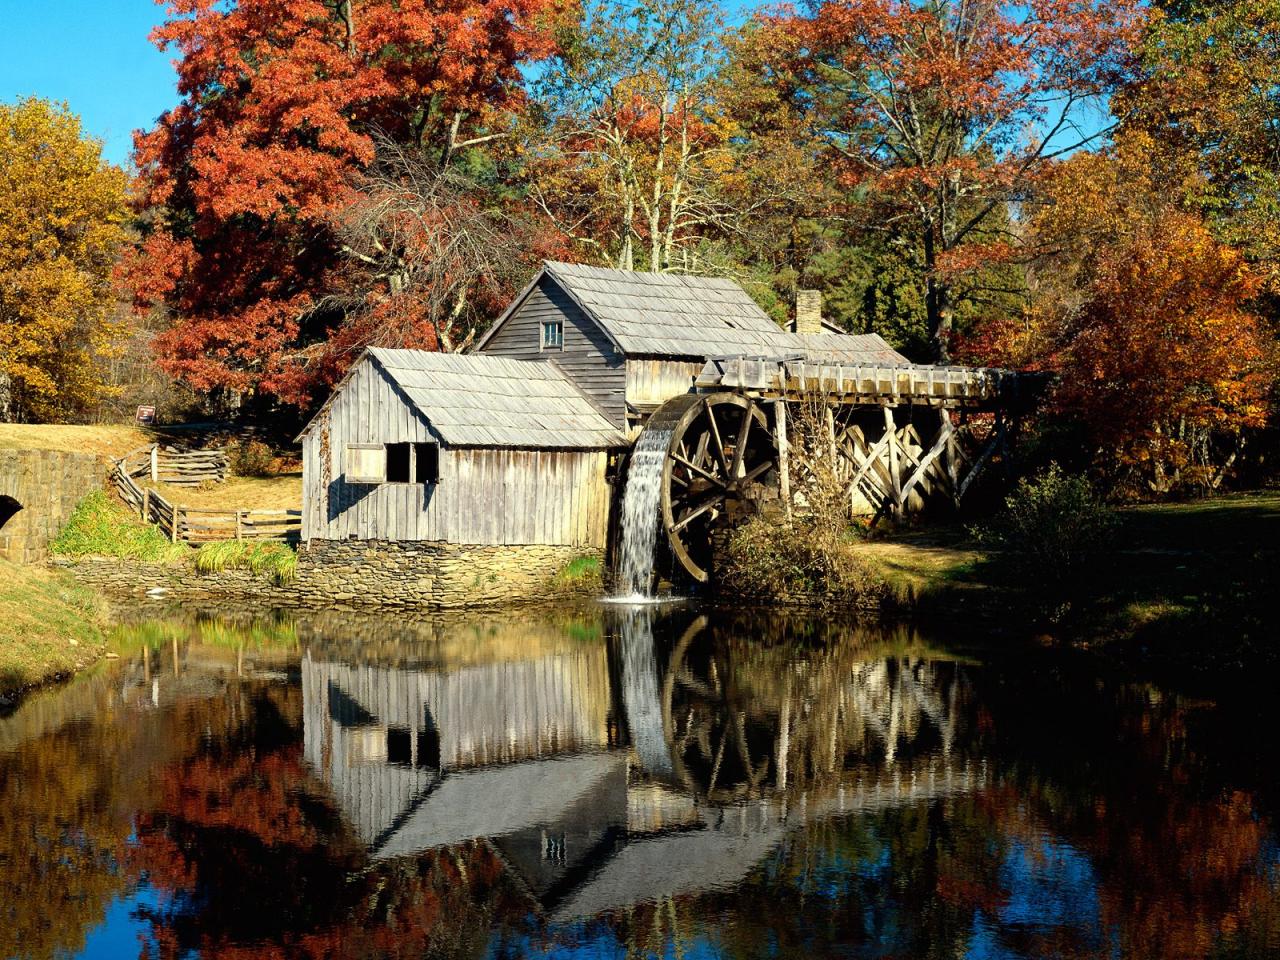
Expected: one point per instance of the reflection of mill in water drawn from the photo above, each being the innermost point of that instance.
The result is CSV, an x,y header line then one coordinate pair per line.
x,y
607,776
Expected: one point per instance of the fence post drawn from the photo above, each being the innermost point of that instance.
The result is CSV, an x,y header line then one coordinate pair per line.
x,y
239,520
173,526
155,462
146,502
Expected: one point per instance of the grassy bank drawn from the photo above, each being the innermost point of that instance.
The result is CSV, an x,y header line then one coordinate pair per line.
x,y
1187,590
49,626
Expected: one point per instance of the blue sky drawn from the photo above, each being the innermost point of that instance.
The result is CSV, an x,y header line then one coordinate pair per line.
x,y
94,54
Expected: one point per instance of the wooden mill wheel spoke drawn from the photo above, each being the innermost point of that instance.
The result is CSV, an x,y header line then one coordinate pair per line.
x,y
690,515
693,467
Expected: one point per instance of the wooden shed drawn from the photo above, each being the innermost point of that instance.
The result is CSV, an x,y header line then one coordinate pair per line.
x,y
633,340
418,446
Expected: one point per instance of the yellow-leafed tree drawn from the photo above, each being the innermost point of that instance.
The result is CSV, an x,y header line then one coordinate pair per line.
x,y
62,213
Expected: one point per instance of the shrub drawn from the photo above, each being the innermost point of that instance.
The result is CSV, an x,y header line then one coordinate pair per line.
x,y
251,458
101,527
270,558
1051,529
778,561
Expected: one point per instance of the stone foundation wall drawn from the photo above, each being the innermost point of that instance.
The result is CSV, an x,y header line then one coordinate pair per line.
x,y
355,574
46,485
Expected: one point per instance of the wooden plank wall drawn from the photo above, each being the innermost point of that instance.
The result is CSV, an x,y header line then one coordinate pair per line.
x,y
588,357
654,381
485,496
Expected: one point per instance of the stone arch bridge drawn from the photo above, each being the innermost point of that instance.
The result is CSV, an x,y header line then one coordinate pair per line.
x,y
38,491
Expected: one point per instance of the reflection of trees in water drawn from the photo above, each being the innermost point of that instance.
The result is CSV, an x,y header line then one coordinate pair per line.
x,y
1105,826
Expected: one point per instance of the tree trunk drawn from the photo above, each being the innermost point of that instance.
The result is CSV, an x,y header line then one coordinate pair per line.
x,y
937,299
6,398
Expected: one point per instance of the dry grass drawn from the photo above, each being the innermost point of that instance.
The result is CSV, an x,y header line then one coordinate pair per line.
x,y
282,492
106,440
911,569
49,626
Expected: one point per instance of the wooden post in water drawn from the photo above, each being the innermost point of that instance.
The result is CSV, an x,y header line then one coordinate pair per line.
x,y
784,456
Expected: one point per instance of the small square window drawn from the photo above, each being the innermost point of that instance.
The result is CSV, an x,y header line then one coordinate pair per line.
x,y
553,335
397,463
426,463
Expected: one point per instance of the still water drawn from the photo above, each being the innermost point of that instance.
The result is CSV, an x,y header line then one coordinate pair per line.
x,y
673,783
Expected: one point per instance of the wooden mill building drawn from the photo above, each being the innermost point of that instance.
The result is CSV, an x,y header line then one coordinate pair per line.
x,y
417,446
513,445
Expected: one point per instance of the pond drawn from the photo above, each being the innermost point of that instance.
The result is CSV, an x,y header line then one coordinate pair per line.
x,y
610,783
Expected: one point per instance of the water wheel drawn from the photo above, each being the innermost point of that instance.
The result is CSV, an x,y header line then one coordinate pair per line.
x,y
719,454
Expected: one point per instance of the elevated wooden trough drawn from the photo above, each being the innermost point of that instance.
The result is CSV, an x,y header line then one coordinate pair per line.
x,y
797,378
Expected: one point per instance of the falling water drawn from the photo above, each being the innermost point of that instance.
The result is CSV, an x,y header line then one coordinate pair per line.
x,y
640,504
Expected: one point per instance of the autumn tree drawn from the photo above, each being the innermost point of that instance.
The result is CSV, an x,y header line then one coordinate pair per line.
x,y
62,210
1207,99
634,154
1148,320
940,114
245,178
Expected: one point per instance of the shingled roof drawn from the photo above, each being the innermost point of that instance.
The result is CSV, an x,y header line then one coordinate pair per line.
x,y
679,315
482,401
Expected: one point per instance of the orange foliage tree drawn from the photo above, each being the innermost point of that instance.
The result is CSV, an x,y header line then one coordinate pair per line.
x,y
242,179
1146,317
939,114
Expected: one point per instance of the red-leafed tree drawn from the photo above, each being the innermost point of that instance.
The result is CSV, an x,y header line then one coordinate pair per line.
x,y
940,114
244,179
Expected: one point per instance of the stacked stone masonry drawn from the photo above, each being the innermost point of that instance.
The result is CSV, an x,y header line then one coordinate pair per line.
x,y
354,574
38,491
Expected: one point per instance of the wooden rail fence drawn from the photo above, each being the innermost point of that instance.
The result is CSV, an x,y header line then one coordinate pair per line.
x,y
195,524
177,467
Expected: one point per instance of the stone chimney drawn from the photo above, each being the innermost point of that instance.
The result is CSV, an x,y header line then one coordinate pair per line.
x,y
808,312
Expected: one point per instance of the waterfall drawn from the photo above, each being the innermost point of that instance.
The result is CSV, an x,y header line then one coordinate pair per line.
x,y
640,505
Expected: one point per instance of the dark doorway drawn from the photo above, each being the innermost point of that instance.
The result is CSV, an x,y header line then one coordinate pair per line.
x,y
8,507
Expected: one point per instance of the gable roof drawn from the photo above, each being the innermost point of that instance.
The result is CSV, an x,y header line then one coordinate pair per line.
x,y
680,315
482,401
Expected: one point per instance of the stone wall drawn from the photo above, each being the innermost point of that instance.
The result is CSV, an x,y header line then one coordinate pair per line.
x,y
38,491
355,574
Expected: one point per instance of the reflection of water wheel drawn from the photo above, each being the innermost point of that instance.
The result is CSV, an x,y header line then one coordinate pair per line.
x,y
716,751
719,454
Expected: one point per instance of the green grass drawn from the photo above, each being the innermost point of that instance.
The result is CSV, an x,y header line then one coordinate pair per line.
x,y
267,558
580,573
49,626
101,527
1186,593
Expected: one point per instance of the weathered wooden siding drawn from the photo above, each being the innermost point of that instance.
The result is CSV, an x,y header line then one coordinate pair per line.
x,y
485,496
588,357
653,381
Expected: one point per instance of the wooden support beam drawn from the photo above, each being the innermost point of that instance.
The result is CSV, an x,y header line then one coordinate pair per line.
x,y
944,434
895,467
996,441
784,455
